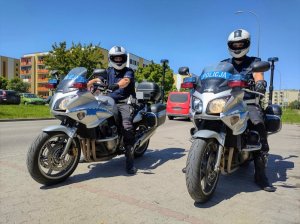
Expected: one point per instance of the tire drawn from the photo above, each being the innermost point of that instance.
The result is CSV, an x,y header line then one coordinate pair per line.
x,y
201,179
43,161
170,117
140,151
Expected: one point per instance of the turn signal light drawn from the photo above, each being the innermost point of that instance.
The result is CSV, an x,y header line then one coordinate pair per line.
x,y
50,85
187,85
237,83
80,85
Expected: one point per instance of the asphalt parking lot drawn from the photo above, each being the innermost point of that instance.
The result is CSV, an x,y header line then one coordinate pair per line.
x,y
103,193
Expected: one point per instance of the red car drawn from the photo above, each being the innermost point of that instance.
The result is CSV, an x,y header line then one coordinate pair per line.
x,y
178,105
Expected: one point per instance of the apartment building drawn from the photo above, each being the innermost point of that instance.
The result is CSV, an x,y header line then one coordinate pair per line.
x,y
283,97
9,67
33,71
135,62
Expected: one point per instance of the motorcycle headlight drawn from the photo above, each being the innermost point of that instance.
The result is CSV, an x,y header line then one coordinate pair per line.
x,y
197,104
61,104
216,106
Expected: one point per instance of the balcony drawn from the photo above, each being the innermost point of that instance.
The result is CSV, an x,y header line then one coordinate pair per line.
x,y
25,72
42,71
45,80
26,63
40,62
42,89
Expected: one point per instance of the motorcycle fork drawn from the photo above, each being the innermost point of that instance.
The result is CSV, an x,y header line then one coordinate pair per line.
x,y
220,151
69,142
219,156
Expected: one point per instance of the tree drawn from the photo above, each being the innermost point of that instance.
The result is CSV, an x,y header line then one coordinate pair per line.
x,y
62,59
295,104
154,73
18,85
3,82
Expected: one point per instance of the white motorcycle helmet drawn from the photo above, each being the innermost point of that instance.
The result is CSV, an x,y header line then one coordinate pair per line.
x,y
117,57
239,43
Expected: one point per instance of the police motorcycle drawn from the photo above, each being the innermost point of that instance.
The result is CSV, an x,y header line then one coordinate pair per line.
x,y
89,125
222,139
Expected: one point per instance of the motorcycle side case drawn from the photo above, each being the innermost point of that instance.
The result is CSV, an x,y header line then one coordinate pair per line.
x,y
273,114
273,109
159,110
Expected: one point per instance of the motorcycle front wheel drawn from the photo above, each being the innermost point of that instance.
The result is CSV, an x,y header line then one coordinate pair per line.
x,y
43,158
201,178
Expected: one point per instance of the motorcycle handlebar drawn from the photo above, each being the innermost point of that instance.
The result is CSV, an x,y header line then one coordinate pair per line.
x,y
102,87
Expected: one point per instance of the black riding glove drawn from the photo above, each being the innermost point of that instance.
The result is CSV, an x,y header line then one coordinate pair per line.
x,y
113,87
261,86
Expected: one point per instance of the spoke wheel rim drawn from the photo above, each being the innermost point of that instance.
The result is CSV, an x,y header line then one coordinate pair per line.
x,y
49,162
139,133
208,177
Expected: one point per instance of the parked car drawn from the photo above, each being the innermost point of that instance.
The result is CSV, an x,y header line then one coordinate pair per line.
x,y
178,105
9,97
48,99
30,98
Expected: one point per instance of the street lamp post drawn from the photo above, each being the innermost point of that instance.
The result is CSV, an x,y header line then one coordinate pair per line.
x,y
164,64
272,62
258,22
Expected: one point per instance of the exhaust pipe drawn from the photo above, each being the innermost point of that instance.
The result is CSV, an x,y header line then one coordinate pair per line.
x,y
145,137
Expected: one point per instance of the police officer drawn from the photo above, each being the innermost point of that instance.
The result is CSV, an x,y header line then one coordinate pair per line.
x,y
122,84
238,46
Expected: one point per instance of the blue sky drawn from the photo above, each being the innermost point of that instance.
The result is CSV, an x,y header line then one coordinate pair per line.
x,y
186,32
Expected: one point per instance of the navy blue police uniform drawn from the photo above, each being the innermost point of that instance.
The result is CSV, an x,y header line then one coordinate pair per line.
x,y
121,96
256,116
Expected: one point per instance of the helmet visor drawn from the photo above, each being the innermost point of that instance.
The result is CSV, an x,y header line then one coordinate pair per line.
x,y
118,59
238,45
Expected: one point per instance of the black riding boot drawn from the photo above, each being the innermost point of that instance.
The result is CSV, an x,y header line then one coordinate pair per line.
x,y
130,168
260,171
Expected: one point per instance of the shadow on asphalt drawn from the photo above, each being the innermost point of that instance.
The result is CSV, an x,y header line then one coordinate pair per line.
x,y
116,167
242,181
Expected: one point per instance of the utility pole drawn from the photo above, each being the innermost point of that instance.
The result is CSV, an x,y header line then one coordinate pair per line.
x,y
164,64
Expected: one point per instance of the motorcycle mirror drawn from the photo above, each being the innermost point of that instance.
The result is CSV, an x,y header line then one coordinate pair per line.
x,y
184,71
273,59
53,72
260,66
52,84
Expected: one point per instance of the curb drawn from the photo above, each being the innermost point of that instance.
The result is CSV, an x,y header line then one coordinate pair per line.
x,y
26,119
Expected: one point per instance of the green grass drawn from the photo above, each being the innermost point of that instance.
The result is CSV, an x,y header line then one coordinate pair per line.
x,y
43,111
24,111
291,116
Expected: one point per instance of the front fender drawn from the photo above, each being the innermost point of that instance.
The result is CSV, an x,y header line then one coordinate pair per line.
x,y
60,128
220,137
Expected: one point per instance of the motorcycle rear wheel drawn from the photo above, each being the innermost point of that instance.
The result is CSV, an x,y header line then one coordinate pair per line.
x,y
140,151
43,158
201,179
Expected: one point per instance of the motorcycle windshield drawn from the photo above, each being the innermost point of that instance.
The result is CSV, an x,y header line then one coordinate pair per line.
x,y
214,78
75,75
